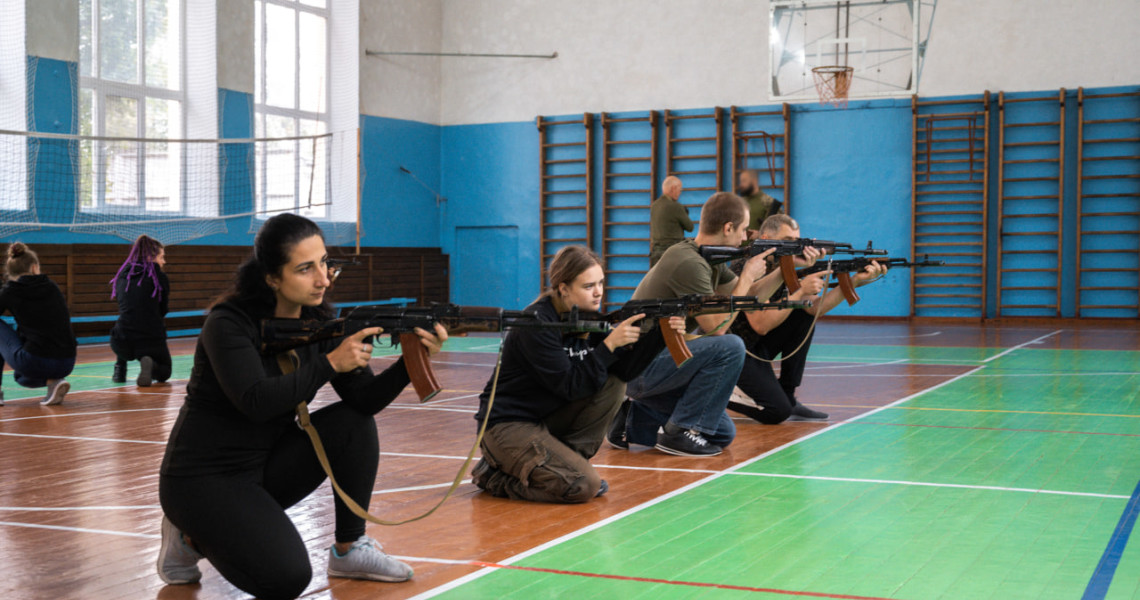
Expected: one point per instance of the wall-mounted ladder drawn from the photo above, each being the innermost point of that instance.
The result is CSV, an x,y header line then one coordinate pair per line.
x,y
1108,205
760,141
629,187
949,189
1031,185
566,202
694,145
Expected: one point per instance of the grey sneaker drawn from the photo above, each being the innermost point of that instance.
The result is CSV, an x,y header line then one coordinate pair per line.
x,y
177,561
56,392
146,369
366,560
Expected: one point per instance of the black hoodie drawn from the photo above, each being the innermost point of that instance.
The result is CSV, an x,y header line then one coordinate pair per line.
x,y
141,311
42,319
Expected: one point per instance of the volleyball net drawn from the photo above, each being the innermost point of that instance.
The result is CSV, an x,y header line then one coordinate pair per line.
x,y
176,190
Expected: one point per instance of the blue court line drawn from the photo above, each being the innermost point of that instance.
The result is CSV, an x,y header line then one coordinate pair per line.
x,y
1106,568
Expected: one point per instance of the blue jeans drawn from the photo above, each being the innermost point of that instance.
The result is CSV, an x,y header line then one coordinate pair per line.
x,y
693,396
31,371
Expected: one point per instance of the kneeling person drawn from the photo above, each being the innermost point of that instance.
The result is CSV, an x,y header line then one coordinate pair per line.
x,y
557,392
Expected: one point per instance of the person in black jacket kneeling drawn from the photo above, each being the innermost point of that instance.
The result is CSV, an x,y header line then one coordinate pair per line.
x,y
41,350
143,292
557,392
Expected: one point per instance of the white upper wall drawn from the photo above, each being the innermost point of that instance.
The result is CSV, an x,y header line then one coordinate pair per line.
x,y
616,55
402,87
235,45
53,28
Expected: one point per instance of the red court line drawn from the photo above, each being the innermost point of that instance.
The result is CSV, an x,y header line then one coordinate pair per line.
x,y
995,428
719,586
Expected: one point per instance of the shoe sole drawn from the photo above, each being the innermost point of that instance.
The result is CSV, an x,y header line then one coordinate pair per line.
x,y
675,452
615,445
368,576
145,375
57,394
751,411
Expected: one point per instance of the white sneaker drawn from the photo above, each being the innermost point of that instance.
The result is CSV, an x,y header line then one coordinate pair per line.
x,y
56,392
366,559
177,561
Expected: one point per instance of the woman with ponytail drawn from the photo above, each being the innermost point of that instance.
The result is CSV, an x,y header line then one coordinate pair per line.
x,y
236,459
41,350
143,292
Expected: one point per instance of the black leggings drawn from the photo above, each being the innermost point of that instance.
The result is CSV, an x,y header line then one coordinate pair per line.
x,y
238,520
758,380
127,350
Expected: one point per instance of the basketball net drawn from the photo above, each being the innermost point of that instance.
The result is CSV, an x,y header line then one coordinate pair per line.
x,y
832,83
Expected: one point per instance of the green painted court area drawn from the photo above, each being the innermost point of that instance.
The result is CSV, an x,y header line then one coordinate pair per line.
x,y
1008,481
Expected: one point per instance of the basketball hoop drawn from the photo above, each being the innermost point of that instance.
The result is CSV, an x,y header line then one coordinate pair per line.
x,y
832,83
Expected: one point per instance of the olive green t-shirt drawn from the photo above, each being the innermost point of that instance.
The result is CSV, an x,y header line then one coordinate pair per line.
x,y
668,222
682,271
759,208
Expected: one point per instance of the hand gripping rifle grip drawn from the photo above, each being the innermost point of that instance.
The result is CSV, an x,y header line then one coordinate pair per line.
x,y
847,287
418,363
675,342
788,270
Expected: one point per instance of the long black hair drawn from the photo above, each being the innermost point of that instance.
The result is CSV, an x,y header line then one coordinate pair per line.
x,y
271,248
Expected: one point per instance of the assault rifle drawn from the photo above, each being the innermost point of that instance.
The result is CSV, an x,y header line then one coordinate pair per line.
x,y
844,268
282,335
691,305
785,251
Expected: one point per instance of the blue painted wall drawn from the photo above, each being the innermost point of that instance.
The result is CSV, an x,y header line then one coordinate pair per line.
x,y
400,180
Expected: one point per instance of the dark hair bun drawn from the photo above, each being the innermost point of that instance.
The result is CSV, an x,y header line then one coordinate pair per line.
x,y
16,249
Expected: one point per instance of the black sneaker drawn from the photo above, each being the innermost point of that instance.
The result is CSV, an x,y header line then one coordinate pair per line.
x,y
803,413
120,373
146,368
686,442
616,435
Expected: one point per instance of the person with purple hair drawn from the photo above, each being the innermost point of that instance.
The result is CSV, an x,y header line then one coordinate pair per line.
x,y
143,292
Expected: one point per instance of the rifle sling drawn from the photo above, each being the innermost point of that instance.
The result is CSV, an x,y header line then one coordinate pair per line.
x,y
288,362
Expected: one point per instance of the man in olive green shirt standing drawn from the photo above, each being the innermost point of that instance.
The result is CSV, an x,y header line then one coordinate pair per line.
x,y
668,219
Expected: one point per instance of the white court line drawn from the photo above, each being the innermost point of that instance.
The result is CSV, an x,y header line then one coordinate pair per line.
x,y
469,411
550,544
94,412
879,337
897,361
77,508
79,438
418,488
1020,346
148,536
938,485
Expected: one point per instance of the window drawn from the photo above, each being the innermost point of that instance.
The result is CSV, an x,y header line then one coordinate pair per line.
x,y
291,105
131,86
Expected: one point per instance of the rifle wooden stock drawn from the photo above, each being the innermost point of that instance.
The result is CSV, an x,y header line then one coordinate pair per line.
x,y
847,287
675,341
418,363
788,270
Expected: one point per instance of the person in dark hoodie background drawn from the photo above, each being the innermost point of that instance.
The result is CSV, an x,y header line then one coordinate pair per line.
x,y
143,292
41,350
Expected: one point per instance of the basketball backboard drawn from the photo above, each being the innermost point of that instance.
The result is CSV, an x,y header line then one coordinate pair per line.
x,y
882,40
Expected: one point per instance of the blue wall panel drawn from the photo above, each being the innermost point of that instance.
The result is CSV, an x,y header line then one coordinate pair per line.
x,y
851,175
402,201
492,180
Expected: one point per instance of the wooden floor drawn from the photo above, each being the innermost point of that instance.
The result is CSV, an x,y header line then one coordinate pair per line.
x,y
79,513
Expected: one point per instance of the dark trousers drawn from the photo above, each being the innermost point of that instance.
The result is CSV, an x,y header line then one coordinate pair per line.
x,y
238,520
29,370
127,350
758,380
550,461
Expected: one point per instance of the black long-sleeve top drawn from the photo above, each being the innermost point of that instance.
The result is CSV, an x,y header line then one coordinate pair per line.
x,y
544,369
238,401
42,319
141,311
